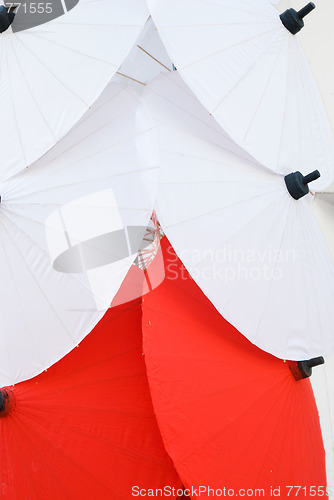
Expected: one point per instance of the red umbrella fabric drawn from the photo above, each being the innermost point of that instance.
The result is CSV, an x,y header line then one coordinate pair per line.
x,y
86,428
231,415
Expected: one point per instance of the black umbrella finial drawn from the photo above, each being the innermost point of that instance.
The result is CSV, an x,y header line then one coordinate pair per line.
x,y
297,184
293,20
6,17
303,369
7,402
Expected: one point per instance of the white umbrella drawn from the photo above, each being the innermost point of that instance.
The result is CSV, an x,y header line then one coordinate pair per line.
x,y
257,253
71,225
51,73
250,72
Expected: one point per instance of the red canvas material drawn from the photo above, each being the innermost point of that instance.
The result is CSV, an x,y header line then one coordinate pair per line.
x,y
231,415
85,428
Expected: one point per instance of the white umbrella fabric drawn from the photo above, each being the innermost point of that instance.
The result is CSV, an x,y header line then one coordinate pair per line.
x,y
256,252
71,225
52,73
251,74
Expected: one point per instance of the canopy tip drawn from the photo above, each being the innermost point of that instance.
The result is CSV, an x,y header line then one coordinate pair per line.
x,y
7,402
303,369
293,20
297,184
6,18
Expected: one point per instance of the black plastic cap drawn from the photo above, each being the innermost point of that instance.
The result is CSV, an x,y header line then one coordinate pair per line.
x,y
297,184
6,18
293,20
7,402
2,401
305,367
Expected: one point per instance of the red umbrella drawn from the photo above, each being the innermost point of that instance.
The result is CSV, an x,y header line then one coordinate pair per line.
x,y
86,427
231,415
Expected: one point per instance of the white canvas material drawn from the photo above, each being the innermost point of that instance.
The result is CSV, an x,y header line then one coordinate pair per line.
x,y
258,254
251,74
51,74
94,184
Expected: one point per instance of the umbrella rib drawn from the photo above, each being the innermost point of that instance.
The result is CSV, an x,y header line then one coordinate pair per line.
x,y
254,37
95,131
249,70
154,58
33,97
172,81
200,121
95,109
59,23
253,197
19,133
74,51
241,415
262,96
216,25
3,330
111,176
217,162
308,90
236,9
131,78
66,456
53,74
18,292
286,406
284,115
261,316
73,276
43,252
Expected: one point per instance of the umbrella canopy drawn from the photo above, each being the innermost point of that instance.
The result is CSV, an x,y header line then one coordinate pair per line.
x,y
71,226
231,416
86,427
255,251
249,71
52,72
